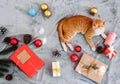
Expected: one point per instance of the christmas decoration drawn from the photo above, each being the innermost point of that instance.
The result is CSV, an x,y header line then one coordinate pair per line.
x,y
56,69
8,50
74,57
91,68
9,77
110,52
27,60
27,38
13,41
44,6
47,13
4,66
110,39
100,49
56,53
77,48
38,43
93,10
32,12
7,40
3,30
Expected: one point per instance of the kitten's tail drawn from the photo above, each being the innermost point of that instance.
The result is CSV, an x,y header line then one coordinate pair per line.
x,y
60,32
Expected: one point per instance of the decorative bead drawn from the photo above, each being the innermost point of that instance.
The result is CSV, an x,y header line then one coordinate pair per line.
x,y
100,49
13,41
47,13
44,6
93,10
38,43
27,38
74,57
9,77
77,48
32,12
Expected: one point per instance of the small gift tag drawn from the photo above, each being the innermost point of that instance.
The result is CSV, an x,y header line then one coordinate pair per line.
x,y
23,56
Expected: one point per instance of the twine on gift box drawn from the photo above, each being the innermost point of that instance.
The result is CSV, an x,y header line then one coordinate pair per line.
x,y
91,66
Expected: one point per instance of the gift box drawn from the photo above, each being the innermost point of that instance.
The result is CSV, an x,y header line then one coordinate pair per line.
x,y
110,52
56,69
91,68
27,60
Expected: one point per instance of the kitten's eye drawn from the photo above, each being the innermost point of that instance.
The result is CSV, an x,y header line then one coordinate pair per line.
x,y
94,25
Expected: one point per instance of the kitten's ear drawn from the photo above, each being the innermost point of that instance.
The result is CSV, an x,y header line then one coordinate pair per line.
x,y
103,22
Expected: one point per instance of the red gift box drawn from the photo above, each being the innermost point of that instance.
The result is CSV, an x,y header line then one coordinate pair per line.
x,y
27,60
110,52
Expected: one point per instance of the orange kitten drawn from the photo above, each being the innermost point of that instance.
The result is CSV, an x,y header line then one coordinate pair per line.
x,y
69,27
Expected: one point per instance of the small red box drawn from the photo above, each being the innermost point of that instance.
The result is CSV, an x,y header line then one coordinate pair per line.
x,y
27,60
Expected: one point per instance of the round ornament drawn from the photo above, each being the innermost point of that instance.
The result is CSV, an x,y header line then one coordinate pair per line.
x,y
13,41
47,13
38,43
32,12
44,6
93,10
74,57
77,48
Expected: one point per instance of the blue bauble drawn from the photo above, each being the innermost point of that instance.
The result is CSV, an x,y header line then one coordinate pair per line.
x,y
32,12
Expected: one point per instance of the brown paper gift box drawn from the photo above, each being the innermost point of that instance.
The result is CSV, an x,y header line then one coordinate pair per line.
x,y
91,68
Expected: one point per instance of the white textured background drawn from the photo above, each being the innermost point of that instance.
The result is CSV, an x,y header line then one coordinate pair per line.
x,y
13,15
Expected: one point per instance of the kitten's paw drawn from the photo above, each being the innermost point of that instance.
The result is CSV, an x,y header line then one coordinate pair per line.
x,y
94,49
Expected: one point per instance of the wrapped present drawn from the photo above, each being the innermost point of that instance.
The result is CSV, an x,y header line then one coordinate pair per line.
x,y
110,52
56,69
27,60
91,68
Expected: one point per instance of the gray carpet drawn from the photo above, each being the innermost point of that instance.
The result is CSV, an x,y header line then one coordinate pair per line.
x,y
13,15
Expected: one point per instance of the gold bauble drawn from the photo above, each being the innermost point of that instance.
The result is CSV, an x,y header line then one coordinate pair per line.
x,y
47,13
93,10
44,6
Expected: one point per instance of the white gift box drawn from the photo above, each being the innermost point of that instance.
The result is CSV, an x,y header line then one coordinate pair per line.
x,y
56,69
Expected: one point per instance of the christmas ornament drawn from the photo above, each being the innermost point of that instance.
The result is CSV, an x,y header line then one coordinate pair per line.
x,y
44,6
100,49
38,43
7,40
77,48
47,13
9,77
32,12
56,53
8,50
110,52
3,30
110,39
13,41
27,38
93,10
74,57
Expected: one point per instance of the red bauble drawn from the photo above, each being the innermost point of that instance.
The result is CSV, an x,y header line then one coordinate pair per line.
x,y
13,41
78,48
74,57
38,43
